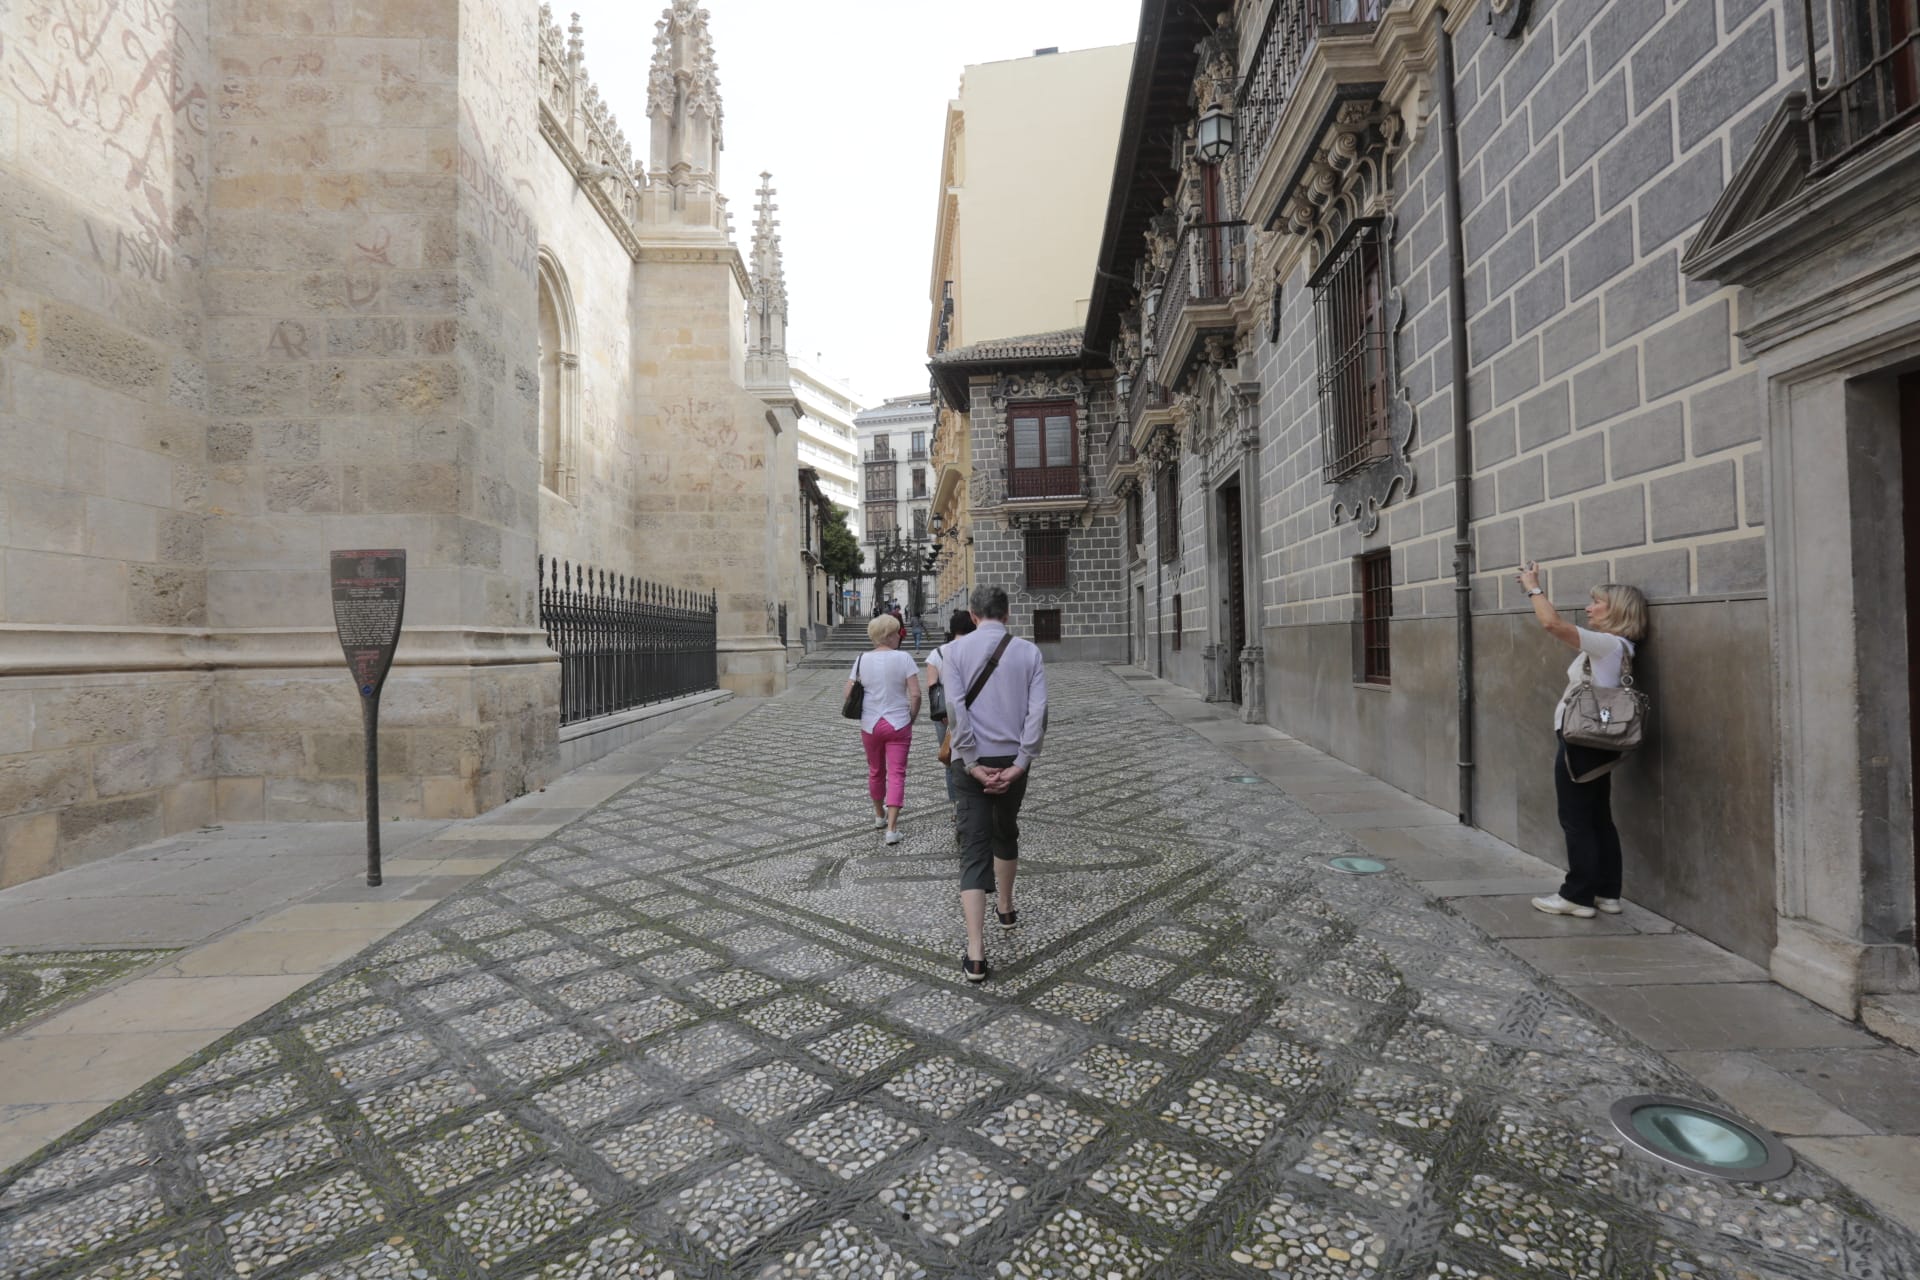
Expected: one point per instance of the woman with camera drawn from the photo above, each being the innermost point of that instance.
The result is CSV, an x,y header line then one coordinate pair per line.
x,y
1616,621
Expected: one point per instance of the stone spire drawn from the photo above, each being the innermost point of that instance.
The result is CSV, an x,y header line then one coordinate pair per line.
x,y
683,98
767,304
768,336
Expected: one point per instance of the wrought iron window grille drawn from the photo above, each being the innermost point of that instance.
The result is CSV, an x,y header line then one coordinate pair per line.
x,y
1872,86
1373,573
1046,626
1356,374
624,642
1046,559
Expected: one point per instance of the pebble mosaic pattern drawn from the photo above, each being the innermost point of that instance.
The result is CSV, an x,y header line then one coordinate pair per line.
x,y
715,1029
36,983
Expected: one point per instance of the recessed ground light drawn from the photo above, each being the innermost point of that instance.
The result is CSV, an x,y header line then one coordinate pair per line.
x,y
1358,866
1700,1139
1245,777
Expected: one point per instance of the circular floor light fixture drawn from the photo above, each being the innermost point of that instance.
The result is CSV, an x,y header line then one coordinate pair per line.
x,y
1245,777
1701,1139
1358,866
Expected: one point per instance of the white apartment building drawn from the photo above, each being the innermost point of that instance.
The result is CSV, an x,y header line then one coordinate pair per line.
x,y
827,437
896,474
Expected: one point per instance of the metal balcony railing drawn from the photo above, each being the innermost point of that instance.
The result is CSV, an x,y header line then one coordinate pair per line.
x,y
1872,87
1293,28
1144,397
880,455
1209,266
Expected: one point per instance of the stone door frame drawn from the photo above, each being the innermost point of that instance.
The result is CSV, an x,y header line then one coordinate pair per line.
x,y
1843,852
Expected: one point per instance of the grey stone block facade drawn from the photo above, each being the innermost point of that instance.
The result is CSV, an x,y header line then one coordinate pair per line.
x,y
1616,422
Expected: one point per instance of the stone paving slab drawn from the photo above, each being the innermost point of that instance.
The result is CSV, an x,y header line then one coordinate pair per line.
x,y
714,1028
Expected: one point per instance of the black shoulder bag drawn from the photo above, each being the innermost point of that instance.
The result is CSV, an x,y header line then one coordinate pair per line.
x,y
856,702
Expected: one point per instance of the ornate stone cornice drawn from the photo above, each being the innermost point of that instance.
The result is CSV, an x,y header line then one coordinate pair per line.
x,y
722,253
584,134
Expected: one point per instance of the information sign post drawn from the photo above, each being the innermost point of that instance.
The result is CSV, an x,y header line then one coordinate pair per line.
x,y
369,597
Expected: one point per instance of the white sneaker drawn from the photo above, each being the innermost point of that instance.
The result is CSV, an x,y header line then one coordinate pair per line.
x,y
1555,905
1609,905
879,824
894,837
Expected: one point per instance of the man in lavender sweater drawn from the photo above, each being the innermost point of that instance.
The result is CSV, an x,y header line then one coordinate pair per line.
x,y
995,741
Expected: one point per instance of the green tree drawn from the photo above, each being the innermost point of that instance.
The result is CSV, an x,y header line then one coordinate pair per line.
x,y
840,555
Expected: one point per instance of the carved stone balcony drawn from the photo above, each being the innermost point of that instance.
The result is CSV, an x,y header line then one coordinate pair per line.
x,y
1209,267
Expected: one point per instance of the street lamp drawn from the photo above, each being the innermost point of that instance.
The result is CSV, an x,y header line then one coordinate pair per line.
x,y
1214,134
936,522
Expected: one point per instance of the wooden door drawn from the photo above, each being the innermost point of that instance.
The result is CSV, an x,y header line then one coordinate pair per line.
x,y
1236,587
1910,519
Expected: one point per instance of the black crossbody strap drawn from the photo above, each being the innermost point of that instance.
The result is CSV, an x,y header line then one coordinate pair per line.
x,y
980,681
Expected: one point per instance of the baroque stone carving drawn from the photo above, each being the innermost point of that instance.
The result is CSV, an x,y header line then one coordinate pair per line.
x,y
1043,384
1346,178
1508,18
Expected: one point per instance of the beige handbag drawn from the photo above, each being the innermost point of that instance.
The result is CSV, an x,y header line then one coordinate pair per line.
x,y
1605,719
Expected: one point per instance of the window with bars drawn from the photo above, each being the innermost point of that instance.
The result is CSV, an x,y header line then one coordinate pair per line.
x,y
1374,573
1046,626
880,483
1356,380
919,482
1176,622
1046,558
920,525
1043,451
1166,500
1136,518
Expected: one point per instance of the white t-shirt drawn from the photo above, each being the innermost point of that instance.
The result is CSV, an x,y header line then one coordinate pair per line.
x,y
1606,651
885,673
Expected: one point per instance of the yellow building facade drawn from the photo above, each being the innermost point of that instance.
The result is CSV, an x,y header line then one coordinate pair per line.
x,y
1033,215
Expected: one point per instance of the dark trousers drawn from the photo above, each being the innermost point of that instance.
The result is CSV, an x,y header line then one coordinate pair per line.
x,y
989,824
1586,816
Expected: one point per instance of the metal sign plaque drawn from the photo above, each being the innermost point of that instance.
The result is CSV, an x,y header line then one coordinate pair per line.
x,y
369,597
369,600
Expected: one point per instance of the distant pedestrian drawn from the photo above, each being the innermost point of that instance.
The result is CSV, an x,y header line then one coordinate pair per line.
x,y
916,630
892,682
960,624
1582,776
997,706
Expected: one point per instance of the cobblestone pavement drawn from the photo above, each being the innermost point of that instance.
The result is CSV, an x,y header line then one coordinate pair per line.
x,y
33,983
717,1029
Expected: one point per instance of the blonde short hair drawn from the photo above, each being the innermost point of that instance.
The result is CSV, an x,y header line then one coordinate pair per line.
x,y
1626,610
883,628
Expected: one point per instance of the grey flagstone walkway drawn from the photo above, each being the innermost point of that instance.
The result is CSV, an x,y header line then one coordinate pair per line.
x,y
715,1028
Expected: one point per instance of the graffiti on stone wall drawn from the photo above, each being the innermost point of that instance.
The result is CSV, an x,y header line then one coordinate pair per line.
x,y
119,77
498,139
505,220
706,427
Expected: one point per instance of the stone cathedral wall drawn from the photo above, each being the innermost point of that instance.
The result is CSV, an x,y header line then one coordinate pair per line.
x,y
268,286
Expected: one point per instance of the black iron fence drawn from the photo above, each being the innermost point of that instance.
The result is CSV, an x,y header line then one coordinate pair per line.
x,y
623,642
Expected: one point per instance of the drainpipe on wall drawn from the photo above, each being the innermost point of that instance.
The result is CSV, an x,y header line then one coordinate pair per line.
x,y
1462,441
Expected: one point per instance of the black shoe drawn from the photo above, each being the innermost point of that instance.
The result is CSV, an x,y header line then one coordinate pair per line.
x,y
1008,919
976,970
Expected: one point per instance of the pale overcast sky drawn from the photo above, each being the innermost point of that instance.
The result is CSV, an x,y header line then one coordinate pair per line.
x,y
845,102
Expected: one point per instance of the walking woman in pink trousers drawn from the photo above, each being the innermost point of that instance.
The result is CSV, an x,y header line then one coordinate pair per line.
x,y
892,682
